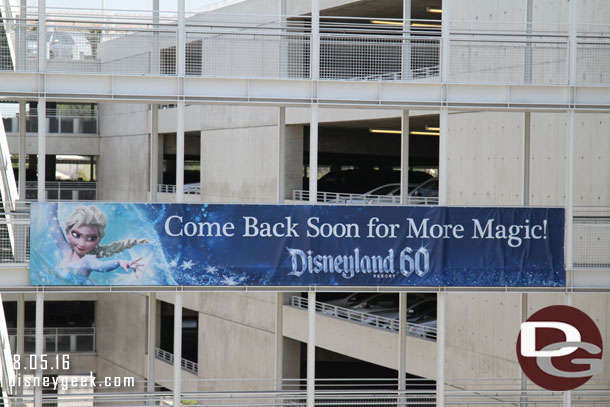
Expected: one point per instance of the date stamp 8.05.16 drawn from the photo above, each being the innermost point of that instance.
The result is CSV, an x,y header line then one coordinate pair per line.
x,y
46,363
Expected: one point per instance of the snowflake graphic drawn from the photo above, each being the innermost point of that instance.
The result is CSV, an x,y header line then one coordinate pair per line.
x,y
187,265
228,281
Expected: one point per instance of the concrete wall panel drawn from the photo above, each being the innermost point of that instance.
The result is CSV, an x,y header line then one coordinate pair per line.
x,y
240,165
485,164
121,330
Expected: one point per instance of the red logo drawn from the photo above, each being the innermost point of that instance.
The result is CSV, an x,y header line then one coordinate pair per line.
x,y
559,348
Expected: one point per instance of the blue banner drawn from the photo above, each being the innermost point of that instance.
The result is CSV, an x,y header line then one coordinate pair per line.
x,y
295,245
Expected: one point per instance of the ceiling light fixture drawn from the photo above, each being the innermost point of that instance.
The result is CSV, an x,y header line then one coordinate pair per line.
x,y
385,131
425,25
424,133
434,10
386,22
433,128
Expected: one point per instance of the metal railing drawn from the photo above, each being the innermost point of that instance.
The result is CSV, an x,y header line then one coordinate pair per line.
x,y
591,239
339,397
56,340
64,190
342,198
417,330
171,189
64,121
168,357
351,48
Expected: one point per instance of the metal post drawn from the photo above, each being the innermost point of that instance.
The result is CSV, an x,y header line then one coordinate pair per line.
x,y
42,38
279,340
567,395
445,42
523,398
528,44
178,349
154,151
281,154
180,153
22,44
181,70
22,144
404,158
180,48
20,333
152,332
443,155
402,341
573,47
526,158
155,48
440,350
39,345
42,134
283,40
313,155
569,204
406,40
314,56
311,349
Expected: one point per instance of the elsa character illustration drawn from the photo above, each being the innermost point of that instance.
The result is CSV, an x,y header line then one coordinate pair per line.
x,y
80,246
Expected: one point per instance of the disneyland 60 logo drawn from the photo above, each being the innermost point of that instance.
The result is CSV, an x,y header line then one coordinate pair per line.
x,y
559,348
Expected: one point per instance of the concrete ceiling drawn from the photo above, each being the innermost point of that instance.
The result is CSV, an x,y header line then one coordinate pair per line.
x,y
385,9
415,123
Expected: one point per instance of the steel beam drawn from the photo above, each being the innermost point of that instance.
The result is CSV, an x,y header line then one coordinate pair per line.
x,y
302,92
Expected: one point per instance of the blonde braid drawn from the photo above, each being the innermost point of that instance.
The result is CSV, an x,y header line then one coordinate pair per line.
x,y
117,247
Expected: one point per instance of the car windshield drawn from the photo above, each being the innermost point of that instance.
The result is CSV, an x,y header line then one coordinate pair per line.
x,y
385,190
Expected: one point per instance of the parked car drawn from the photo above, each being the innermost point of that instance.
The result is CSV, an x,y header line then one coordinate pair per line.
x,y
427,189
356,181
426,328
422,307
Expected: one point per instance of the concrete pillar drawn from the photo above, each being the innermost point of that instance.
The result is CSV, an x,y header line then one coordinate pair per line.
x,y
443,156
402,341
42,135
279,341
404,158
180,153
311,349
154,149
313,155
440,350
20,332
22,144
281,154
152,332
178,349
39,345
